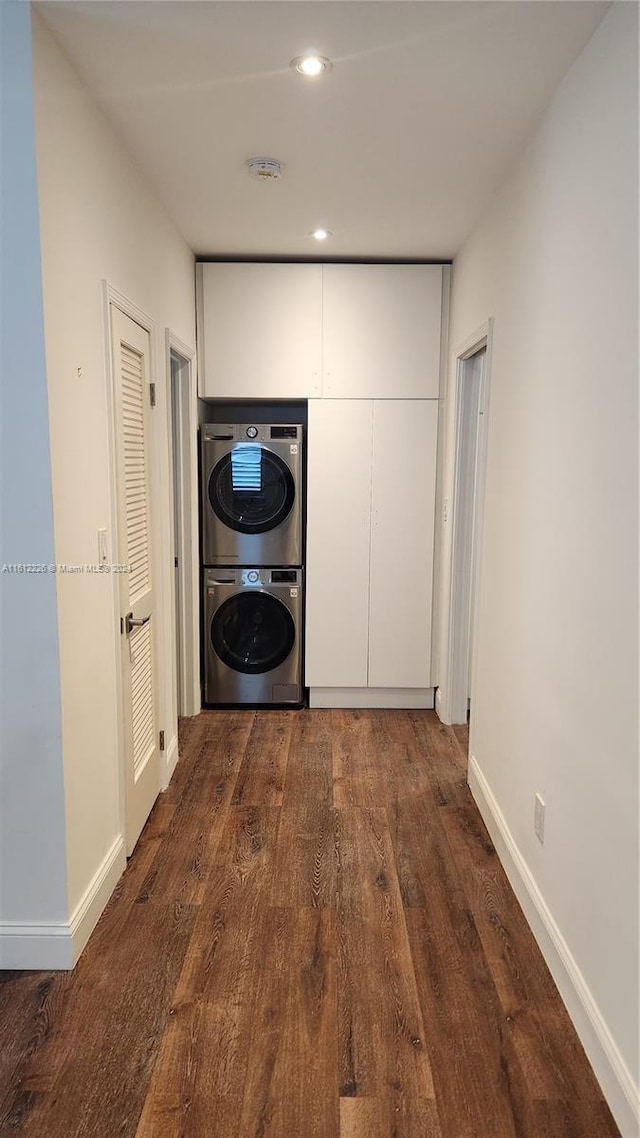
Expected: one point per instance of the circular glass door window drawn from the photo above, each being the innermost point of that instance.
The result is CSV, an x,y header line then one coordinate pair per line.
x,y
252,632
251,489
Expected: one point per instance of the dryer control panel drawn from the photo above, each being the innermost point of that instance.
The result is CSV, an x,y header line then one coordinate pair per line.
x,y
260,432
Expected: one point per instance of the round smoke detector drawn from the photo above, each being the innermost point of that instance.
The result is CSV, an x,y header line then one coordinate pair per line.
x,y
265,169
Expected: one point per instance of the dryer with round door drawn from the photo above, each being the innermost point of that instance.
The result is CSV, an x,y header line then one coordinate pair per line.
x,y
252,636
251,494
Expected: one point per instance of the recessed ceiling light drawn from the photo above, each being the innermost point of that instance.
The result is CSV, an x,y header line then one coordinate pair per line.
x,y
321,234
311,65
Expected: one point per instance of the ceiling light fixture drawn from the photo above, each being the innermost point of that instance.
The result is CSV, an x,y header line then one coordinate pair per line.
x,y
321,234
311,65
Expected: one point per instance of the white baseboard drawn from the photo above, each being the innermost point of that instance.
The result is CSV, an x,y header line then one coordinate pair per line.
x,y
170,762
94,899
371,697
615,1078
58,946
37,947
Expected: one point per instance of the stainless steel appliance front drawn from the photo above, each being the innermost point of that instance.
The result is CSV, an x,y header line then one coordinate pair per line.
x,y
252,636
251,498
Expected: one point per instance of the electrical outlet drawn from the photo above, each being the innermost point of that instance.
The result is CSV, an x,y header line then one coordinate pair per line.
x,y
538,822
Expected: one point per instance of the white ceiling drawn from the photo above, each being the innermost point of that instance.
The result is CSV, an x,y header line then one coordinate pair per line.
x,y
397,150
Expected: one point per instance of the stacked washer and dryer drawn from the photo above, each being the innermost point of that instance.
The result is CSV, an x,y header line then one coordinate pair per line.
x,y
252,541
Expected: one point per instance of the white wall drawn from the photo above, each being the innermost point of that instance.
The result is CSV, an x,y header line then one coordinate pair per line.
x,y
99,220
32,853
555,707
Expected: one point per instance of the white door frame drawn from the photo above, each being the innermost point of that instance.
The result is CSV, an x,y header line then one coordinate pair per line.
x,y
111,296
187,551
451,696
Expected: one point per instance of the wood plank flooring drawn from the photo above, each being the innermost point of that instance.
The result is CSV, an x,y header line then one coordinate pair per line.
x,y
313,939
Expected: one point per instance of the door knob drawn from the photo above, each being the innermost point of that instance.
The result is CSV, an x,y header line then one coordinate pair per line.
x,y
131,621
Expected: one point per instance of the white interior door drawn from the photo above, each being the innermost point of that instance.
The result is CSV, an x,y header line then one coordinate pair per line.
x,y
132,404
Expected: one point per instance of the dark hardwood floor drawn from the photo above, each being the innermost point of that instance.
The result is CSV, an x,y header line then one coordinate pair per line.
x,y
313,939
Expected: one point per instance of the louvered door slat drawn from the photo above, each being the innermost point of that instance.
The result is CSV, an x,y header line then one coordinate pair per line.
x,y
135,473
142,695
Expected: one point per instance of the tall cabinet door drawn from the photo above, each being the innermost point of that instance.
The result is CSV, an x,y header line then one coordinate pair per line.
x,y
338,539
402,528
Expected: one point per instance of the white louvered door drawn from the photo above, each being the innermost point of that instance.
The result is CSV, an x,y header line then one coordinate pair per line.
x,y
131,355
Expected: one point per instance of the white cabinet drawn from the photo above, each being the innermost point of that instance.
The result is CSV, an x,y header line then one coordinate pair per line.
x,y
362,344
370,525
402,529
296,331
259,330
381,329
338,541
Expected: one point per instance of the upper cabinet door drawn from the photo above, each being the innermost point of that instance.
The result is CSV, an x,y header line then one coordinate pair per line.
x,y
381,331
259,330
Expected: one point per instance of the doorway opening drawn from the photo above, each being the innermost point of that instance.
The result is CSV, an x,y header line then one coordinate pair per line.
x,y
463,512
183,431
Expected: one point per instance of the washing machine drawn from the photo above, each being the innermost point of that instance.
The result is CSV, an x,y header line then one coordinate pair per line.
x,y
251,500
252,636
